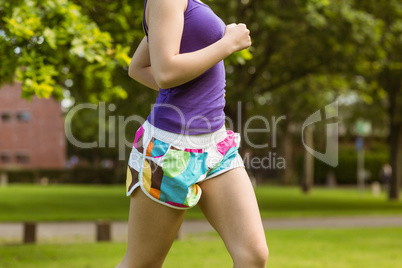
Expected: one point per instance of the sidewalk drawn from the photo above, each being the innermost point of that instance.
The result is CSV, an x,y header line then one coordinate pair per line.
x,y
77,232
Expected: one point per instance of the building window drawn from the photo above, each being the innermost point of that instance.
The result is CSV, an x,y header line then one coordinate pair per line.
x,y
22,158
5,157
5,116
24,116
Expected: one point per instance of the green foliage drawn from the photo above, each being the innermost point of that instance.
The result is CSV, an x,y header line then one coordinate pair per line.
x,y
50,41
239,57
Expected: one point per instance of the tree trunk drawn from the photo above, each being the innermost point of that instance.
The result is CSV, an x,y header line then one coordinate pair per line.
x,y
392,83
308,176
396,161
288,153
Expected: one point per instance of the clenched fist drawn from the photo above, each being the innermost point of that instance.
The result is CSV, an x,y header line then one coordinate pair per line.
x,y
238,36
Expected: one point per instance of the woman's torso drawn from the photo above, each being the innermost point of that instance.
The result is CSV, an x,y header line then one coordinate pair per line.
x,y
195,107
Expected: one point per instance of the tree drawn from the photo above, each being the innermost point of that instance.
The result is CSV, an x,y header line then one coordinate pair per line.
x,y
44,43
385,68
297,39
75,49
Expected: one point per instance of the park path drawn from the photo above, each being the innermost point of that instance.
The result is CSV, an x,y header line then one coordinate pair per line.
x,y
77,232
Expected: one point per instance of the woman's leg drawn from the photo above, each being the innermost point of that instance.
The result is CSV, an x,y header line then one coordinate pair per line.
x,y
152,229
228,201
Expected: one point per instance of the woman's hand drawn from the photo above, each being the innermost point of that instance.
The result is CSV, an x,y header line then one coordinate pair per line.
x,y
238,36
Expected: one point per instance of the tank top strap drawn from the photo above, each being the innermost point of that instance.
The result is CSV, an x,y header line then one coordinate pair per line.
x,y
144,23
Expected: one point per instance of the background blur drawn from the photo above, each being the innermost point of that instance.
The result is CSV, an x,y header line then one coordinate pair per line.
x,y
69,111
305,55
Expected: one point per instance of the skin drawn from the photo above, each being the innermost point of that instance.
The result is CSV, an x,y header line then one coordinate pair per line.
x,y
140,66
228,200
229,203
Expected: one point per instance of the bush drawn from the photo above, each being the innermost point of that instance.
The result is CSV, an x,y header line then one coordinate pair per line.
x,y
346,171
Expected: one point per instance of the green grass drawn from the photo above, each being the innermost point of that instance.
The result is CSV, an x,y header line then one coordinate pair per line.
x,y
333,248
93,202
291,202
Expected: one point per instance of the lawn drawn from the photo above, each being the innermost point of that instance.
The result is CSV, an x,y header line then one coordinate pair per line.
x,y
332,248
93,202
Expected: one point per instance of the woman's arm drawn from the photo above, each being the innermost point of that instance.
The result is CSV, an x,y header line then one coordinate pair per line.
x,y
169,67
140,66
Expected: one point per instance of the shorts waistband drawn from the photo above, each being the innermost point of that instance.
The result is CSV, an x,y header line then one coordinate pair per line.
x,y
181,141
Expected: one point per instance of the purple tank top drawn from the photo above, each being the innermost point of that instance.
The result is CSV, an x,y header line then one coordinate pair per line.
x,y
195,107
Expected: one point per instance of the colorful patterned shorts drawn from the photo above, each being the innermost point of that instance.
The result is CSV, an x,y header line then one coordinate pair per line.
x,y
169,167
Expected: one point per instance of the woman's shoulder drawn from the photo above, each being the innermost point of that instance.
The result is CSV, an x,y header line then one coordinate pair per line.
x,y
162,8
178,3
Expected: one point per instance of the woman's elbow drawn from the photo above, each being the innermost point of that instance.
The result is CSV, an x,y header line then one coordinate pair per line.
x,y
165,79
131,72
134,73
162,83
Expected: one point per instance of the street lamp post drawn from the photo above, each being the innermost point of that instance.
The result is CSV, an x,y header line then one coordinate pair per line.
x,y
362,129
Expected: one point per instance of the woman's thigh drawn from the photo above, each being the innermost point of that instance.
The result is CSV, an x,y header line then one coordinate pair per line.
x,y
151,232
229,203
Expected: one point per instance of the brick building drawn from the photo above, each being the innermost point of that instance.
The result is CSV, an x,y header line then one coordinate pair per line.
x,y
31,132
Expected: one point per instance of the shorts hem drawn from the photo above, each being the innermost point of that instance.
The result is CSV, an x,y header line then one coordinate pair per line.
x,y
132,189
138,184
220,173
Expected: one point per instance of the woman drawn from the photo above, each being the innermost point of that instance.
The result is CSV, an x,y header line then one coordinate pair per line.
x,y
182,155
